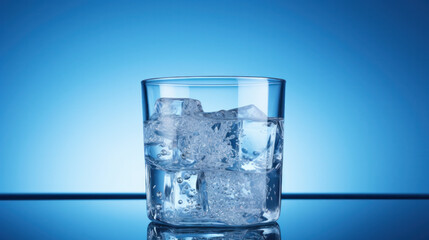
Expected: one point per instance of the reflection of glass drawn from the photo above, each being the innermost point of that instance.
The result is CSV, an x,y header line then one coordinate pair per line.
x,y
213,150
157,231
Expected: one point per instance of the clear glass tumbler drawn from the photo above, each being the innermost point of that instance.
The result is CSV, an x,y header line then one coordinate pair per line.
x,y
213,149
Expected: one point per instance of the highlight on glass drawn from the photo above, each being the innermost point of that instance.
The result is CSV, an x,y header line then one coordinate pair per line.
x,y
213,149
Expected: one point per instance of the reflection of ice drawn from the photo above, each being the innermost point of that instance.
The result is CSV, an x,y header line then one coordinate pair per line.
x,y
157,231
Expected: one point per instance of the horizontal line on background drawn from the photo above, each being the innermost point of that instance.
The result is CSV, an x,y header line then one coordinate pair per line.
x,y
346,196
72,196
130,196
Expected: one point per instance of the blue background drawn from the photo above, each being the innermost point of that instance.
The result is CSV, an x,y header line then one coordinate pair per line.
x,y
357,102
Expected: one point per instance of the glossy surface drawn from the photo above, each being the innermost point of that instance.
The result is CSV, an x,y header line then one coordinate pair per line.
x,y
300,219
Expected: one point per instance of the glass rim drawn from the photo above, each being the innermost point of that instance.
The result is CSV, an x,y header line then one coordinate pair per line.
x,y
205,80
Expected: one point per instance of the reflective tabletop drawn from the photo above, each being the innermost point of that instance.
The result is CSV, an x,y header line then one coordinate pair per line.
x,y
300,219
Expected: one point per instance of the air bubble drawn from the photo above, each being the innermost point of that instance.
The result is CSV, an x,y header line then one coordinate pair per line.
x,y
180,202
191,193
158,207
159,194
186,176
179,180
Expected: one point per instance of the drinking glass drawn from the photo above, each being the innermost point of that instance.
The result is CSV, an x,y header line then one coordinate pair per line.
x,y
213,149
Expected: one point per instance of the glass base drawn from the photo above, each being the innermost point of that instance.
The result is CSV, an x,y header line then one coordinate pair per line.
x,y
159,231
213,198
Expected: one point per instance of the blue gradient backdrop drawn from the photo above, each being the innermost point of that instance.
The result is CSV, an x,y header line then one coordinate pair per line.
x,y
357,97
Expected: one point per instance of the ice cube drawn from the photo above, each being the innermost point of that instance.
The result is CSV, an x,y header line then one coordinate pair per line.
x,y
192,141
257,142
222,114
239,195
176,106
250,112
206,143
